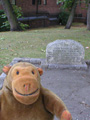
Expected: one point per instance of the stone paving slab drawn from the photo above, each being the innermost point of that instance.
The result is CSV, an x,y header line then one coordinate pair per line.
x,y
71,85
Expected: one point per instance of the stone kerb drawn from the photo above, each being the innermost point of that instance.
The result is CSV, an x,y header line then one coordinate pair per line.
x,y
65,52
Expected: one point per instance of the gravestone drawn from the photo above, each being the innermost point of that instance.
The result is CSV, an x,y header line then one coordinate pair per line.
x,y
67,52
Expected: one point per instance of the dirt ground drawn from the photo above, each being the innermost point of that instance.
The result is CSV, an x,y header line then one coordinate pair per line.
x,y
73,87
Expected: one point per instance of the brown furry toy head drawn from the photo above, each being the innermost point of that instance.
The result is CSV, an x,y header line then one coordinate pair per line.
x,y
23,79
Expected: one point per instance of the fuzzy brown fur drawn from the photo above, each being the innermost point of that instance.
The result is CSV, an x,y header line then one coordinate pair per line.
x,y
23,98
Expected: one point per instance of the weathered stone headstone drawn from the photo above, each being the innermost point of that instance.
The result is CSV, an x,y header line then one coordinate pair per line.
x,y
67,52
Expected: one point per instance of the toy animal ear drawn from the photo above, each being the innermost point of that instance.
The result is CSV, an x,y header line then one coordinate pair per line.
x,y
40,71
6,69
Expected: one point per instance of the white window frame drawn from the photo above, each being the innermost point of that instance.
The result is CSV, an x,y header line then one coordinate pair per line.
x,y
45,2
0,2
13,2
57,2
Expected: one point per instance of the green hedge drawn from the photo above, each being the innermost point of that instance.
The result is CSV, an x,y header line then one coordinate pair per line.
x,y
63,17
2,20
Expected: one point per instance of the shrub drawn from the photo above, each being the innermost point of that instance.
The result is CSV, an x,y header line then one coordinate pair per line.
x,y
63,17
5,26
17,11
2,19
1,12
24,26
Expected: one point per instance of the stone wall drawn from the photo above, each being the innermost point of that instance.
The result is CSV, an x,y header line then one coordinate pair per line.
x,y
39,21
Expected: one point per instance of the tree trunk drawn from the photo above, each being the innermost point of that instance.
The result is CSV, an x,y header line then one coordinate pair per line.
x,y
14,25
71,16
88,17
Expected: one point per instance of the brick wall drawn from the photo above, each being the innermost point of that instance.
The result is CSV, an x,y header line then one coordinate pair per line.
x,y
28,8
38,23
1,7
50,8
81,12
81,9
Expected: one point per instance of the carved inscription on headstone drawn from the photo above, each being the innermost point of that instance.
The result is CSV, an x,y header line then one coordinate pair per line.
x,y
65,52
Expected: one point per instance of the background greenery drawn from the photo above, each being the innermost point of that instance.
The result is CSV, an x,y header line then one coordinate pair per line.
x,y
63,17
33,43
4,23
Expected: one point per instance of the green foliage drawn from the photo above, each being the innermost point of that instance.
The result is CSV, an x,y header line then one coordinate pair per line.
x,y
63,17
5,26
2,20
24,26
4,23
87,1
1,12
67,4
17,11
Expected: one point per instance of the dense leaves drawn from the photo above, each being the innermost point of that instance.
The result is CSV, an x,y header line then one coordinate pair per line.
x,y
67,4
4,23
63,17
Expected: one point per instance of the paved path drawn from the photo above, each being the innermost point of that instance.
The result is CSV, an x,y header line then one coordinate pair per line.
x,y
73,87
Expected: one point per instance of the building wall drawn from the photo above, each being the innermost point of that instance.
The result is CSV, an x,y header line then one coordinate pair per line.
x,y
1,6
51,7
81,9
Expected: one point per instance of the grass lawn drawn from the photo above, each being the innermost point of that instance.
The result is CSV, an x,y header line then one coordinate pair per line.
x,y
32,43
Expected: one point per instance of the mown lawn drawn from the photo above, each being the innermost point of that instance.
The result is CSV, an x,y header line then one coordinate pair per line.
x,y
32,43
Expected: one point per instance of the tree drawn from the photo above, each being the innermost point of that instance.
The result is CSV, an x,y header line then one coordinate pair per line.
x,y
71,16
69,5
14,25
88,15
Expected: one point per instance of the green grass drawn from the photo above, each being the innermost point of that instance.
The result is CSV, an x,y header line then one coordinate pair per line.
x,y
33,43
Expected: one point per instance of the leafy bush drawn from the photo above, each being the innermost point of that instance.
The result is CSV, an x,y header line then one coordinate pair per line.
x,y
24,26
63,17
5,26
2,20
17,11
67,4
1,12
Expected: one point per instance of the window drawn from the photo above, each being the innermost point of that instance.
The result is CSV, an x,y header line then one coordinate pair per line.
x,y
45,2
33,2
39,2
0,2
58,1
13,2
